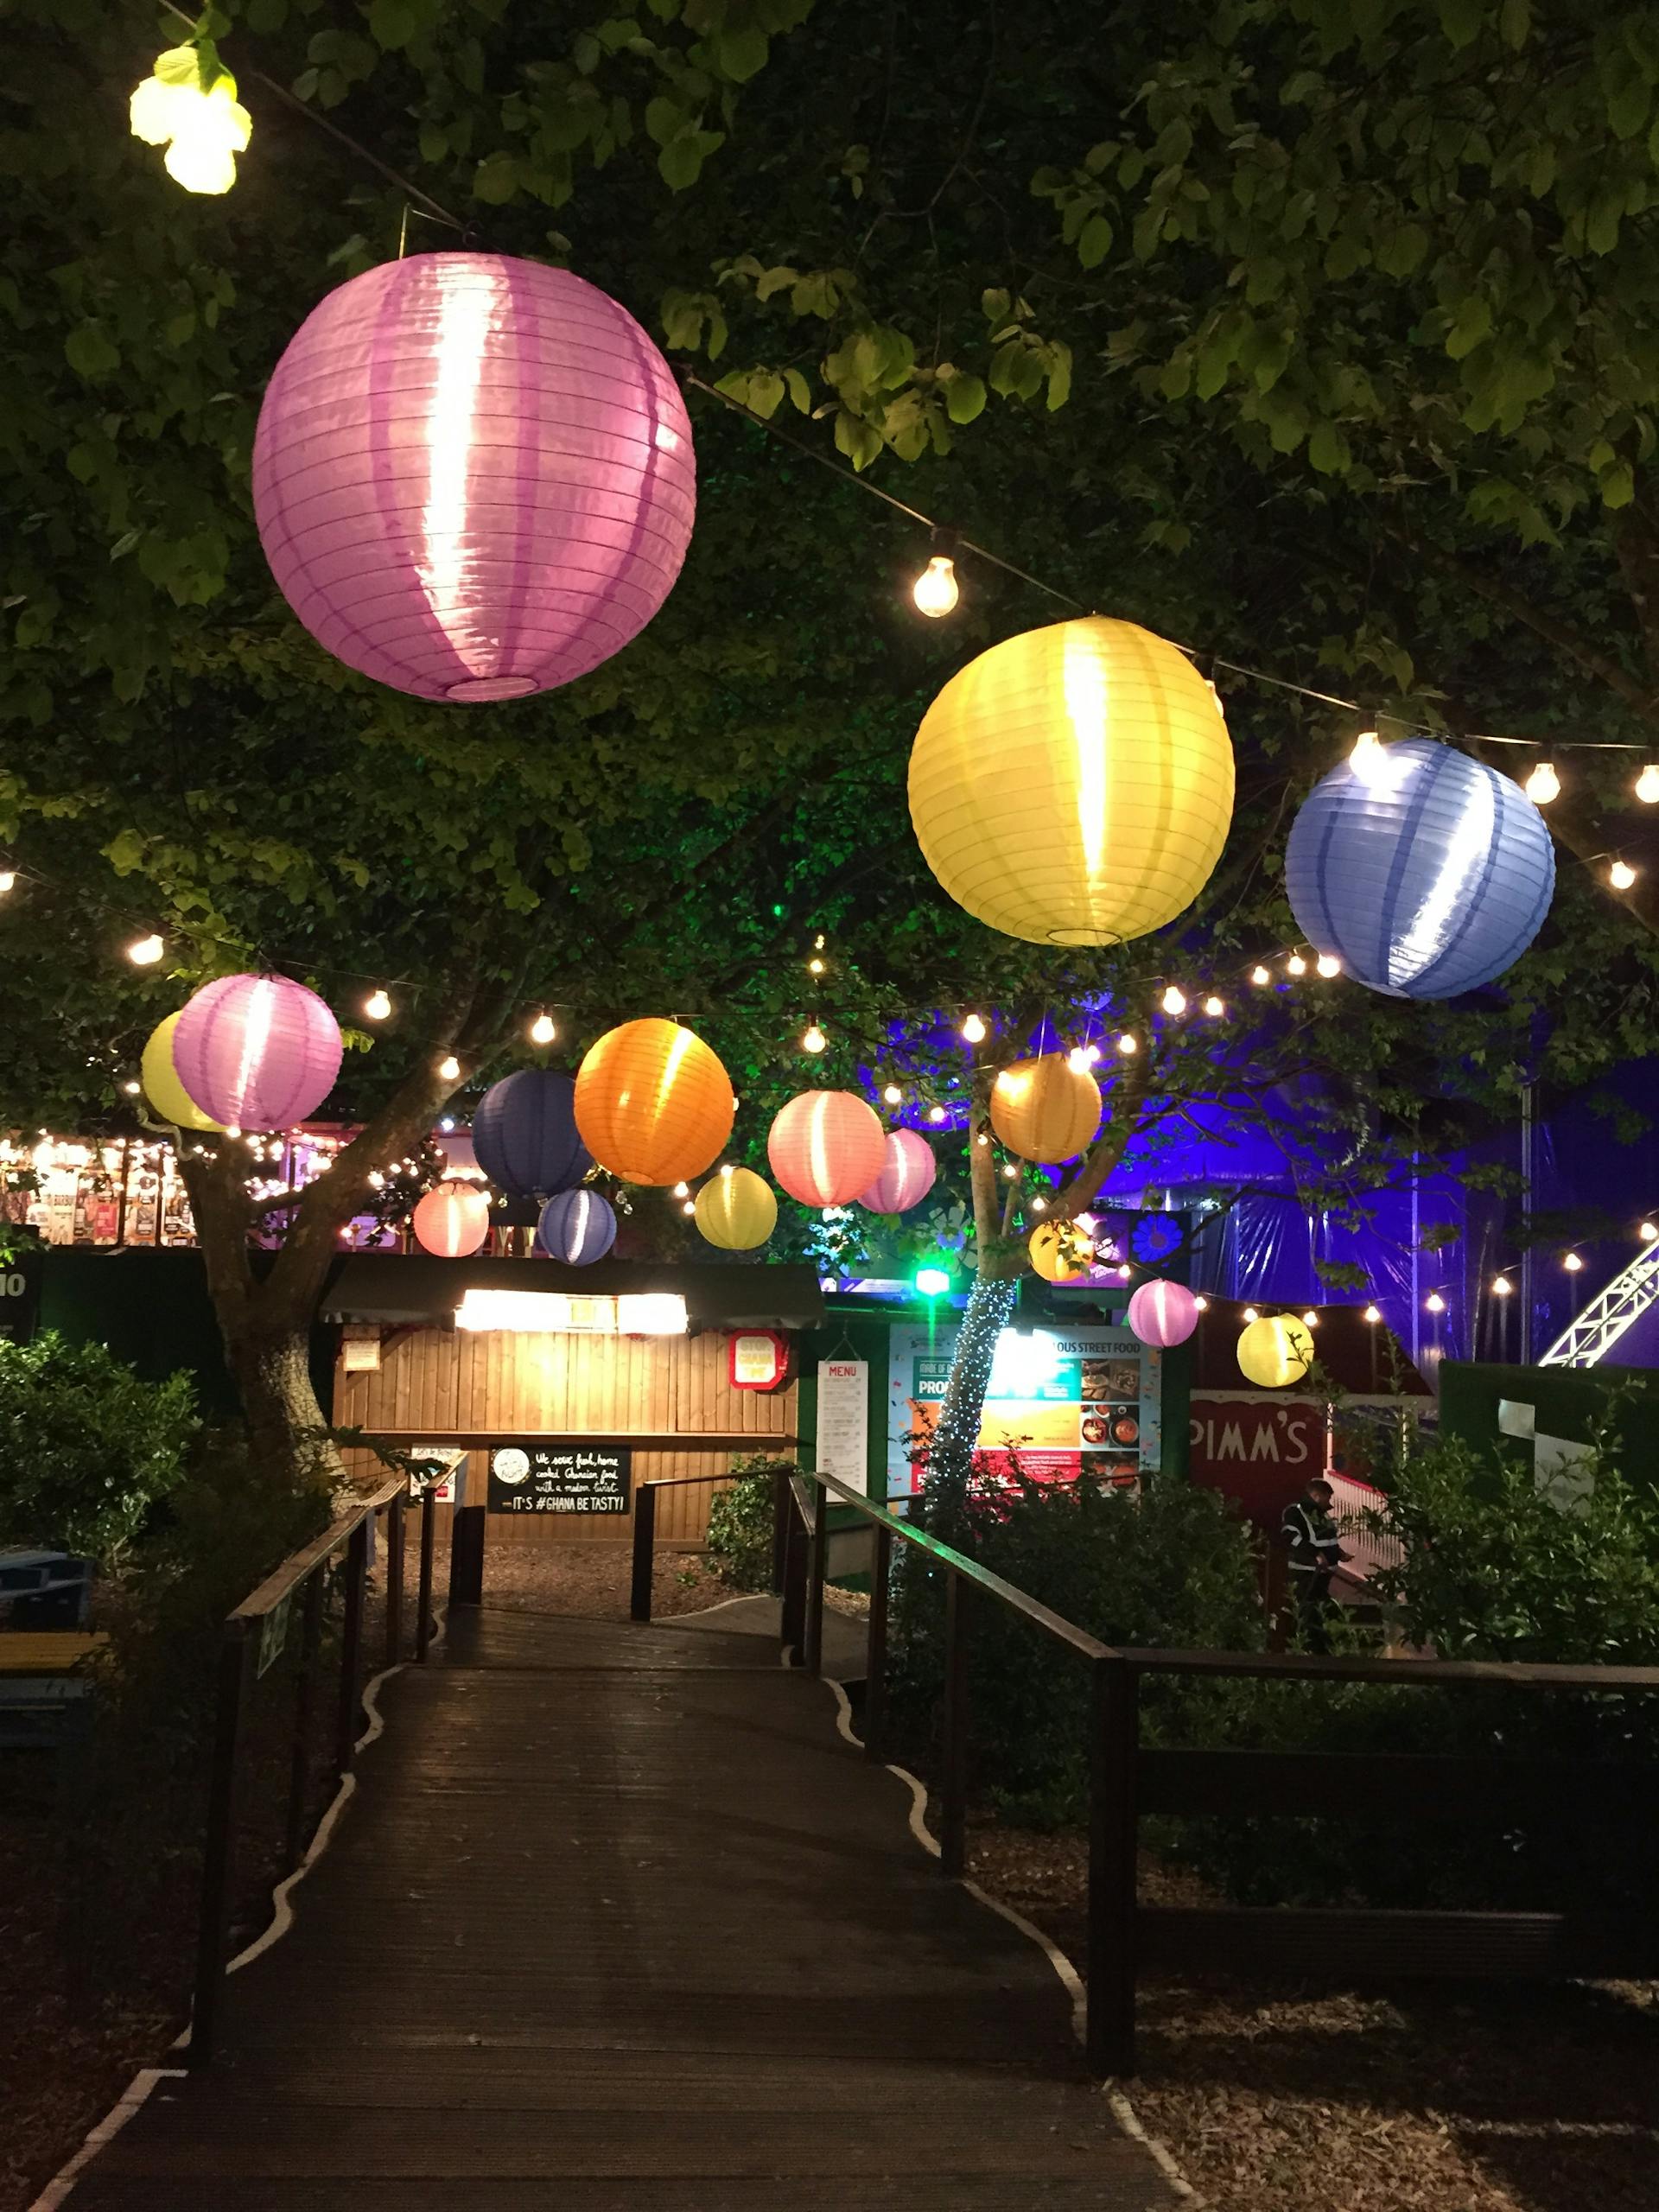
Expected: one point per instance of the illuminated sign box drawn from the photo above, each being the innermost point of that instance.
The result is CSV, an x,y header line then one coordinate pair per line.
x,y
559,1313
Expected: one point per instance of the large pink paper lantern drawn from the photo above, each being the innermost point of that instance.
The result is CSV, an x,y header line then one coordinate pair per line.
x,y
906,1174
452,1221
257,1052
473,476
826,1146
1163,1313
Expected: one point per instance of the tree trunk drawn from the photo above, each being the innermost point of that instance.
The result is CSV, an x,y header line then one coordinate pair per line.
x,y
288,1429
956,1432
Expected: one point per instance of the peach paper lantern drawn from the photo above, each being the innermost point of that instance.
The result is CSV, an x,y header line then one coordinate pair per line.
x,y
453,1221
653,1104
906,1174
825,1147
1060,1251
1045,1109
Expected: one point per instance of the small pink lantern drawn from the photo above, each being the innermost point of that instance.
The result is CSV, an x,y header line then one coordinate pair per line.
x,y
1163,1313
473,476
906,1174
257,1052
826,1146
452,1221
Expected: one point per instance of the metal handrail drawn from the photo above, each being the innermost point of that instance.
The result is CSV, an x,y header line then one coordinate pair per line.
x,y
293,1571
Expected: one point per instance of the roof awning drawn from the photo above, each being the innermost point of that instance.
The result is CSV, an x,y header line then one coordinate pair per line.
x,y
415,1290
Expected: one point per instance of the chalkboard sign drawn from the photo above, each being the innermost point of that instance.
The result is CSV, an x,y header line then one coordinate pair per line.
x,y
20,1297
560,1478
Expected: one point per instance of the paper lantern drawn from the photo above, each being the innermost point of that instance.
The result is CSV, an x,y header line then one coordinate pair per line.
x,y
1060,1251
473,475
1045,1109
257,1052
825,1147
1073,786
736,1210
452,1221
1426,872
653,1104
1274,1351
906,1176
578,1227
524,1133
169,1101
1163,1313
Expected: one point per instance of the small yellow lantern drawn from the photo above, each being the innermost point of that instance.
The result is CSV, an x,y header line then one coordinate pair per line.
x,y
1045,1109
736,1210
169,1101
1060,1251
1274,1351
1074,785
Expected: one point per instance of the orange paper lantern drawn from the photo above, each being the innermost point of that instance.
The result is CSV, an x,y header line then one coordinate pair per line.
x,y
653,1104
452,1221
1060,1251
1045,1109
826,1146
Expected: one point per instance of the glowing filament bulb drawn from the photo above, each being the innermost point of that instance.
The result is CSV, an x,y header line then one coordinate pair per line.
x,y
1128,1044
1258,976
936,1113
1647,784
1571,1263
145,951
935,590
1621,875
449,1068
1173,1001
1434,1302
1250,1314
1311,1320
1215,1007
1296,965
1543,784
814,1040
974,1030
377,1006
1502,1285
1328,964
542,1031
1373,1314
7,878
1201,1304
1369,759
815,967
1649,1232
893,1096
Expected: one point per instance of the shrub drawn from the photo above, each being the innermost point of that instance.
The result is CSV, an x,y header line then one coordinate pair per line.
x,y
740,1524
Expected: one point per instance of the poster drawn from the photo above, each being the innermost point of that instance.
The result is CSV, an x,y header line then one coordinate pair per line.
x,y
1064,1401
452,1458
843,1421
560,1478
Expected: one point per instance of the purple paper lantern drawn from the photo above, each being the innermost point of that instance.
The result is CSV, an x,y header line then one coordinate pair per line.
x,y
906,1174
578,1227
257,1052
524,1133
473,476
1163,1313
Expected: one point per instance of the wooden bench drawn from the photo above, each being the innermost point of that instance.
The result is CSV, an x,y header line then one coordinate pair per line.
x,y
44,1680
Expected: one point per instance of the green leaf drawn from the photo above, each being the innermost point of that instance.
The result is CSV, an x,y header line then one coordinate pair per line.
x,y
89,353
1461,20
766,391
1328,449
1094,242
964,397
1515,22
1617,485
800,391
680,162
495,180
1628,106
664,119
743,52
1474,322
393,23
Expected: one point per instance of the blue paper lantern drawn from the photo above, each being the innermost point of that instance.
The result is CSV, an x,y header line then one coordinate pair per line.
x,y
1425,872
524,1133
578,1227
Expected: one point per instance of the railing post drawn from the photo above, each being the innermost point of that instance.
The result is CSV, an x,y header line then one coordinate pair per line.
x,y
299,1765
429,1539
953,1769
1115,1744
645,1550
351,1648
395,1576
1276,1592
782,1509
875,1664
235,1672
814,1637
793,1619
466,1555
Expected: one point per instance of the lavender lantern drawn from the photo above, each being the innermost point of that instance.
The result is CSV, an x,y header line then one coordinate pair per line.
x,y
577,1227
473,476
257,1052
906,1174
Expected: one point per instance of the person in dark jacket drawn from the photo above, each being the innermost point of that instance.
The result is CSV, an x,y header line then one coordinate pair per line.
x,y
1315,1554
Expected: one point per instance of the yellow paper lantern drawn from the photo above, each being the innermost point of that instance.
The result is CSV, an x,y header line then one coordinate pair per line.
x,y
169,1099
653,1104
1045,1109
1274,1351
1060,1251
736,1210
1073,786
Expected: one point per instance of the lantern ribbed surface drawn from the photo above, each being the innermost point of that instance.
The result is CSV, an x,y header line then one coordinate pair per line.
x,y
653,1104
1073,786
452,1221
168,1096
1163,1313
473,476
825,1147
736,1210
1428,874
1274,1351
1045,1109
1060,1251
906,1174
578,1227
524,1133
257,1052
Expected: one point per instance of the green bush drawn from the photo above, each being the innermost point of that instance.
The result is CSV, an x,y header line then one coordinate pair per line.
x,y
88,1451
739,1543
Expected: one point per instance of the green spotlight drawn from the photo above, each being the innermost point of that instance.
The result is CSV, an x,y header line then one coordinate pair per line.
x,y
933,1282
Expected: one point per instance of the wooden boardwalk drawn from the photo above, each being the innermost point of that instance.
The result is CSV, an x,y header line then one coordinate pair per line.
x,y
618,1922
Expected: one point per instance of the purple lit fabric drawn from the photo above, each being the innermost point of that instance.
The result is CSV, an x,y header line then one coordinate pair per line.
x,y
257,1052
473,476
906,1174
578,1227
524,1133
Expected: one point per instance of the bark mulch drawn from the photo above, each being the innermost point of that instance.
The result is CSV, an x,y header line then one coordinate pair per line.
x,y
1418,2097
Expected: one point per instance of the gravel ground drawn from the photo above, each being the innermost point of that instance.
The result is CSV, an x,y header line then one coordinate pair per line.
x,y
593,1578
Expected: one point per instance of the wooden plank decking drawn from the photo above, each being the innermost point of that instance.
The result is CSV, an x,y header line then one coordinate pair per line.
x,y
618,1922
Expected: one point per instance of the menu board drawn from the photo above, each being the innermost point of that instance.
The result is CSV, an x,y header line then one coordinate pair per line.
x,y
560,1478
1063,1402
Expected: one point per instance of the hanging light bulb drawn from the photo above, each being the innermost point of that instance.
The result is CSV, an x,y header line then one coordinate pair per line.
x,y
145,951
1077,1060
936,1113
1649,1232
7,878
1647,784
1621,875
1310,1319
935,591
817,941
814,1040
449,1068
1260,975
1369,759
132,1089
689,1207
1434,1302
1328,964
1373,1314
1543,784
377,1006
1215,1007
1296,965
1502,1287
1250,1314
815,967
1039,1205
542,1031
893,1095
1571,1263
1127,1043
974,1030
1009,1172
1173,1001
1201,1304
1124,1273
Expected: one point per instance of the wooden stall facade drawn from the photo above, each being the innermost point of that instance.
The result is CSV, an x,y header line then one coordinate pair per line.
x,y
660,1394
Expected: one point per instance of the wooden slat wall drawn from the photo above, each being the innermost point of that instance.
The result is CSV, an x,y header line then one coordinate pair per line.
x,y
436,1380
